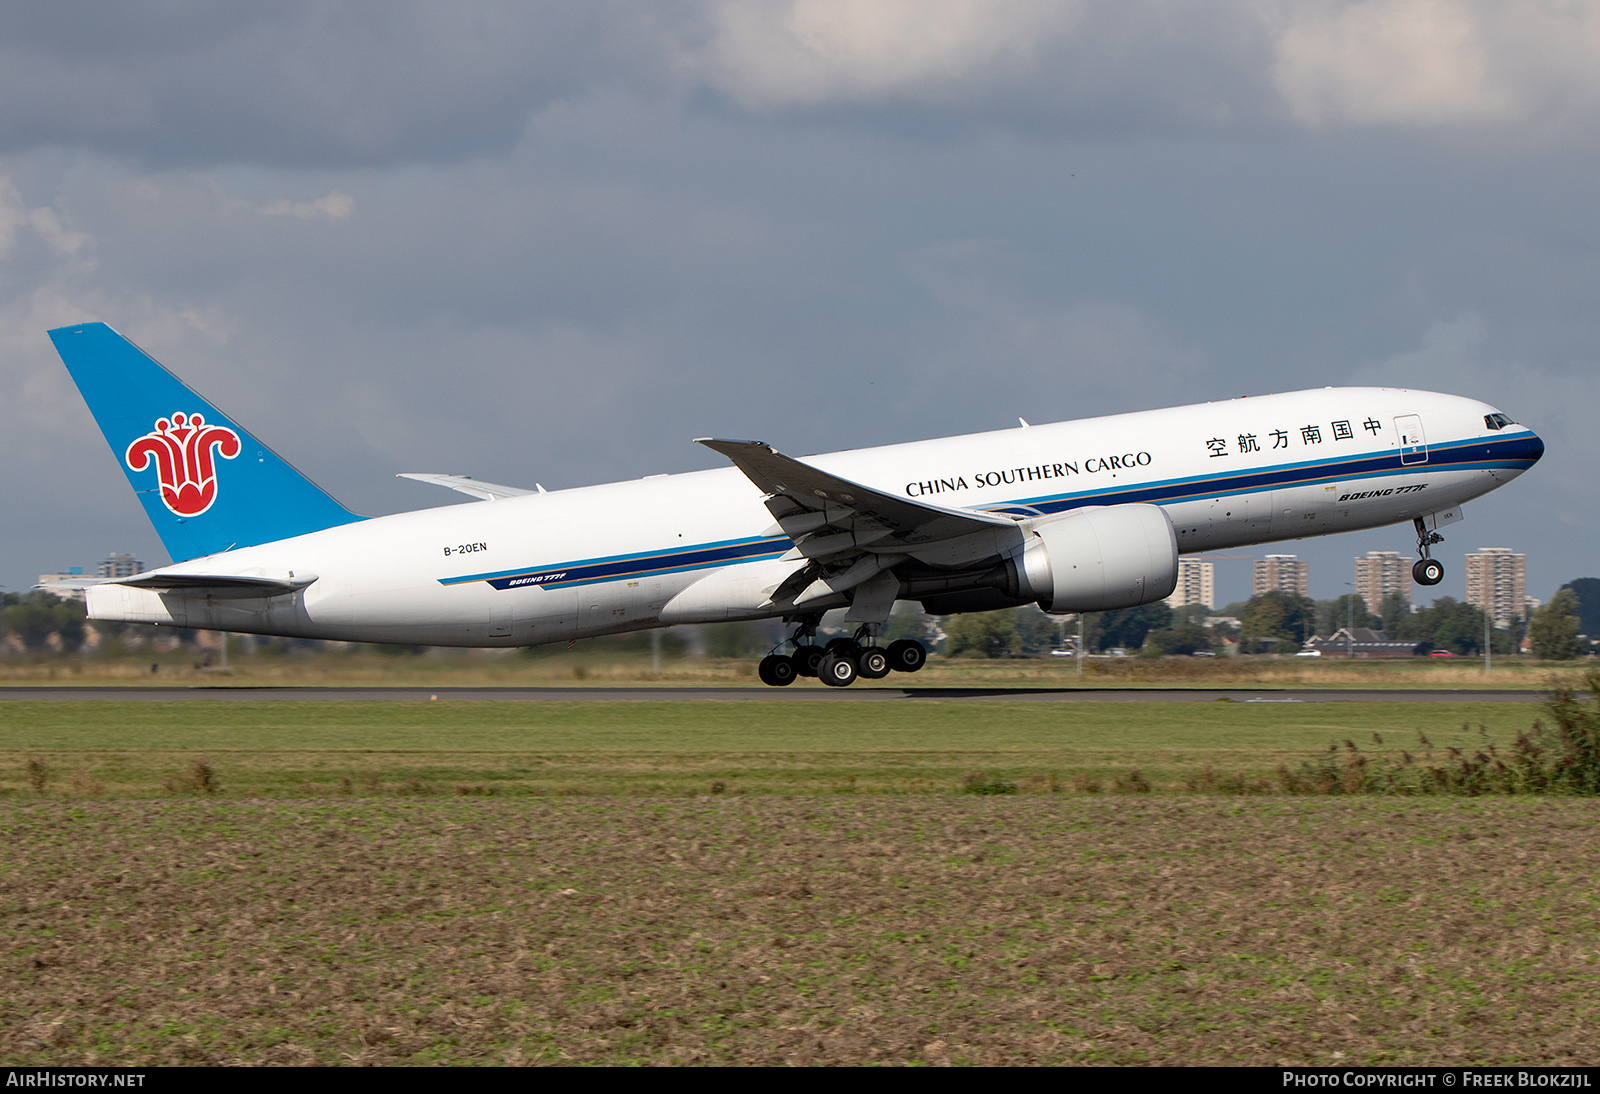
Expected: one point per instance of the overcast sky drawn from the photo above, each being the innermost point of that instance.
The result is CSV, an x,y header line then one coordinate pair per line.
x,y
553,242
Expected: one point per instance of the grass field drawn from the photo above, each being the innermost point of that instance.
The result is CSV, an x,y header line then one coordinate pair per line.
x,y
311,749
593,663
758,883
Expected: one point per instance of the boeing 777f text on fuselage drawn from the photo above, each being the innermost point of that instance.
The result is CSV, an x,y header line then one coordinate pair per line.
x,y
1079,516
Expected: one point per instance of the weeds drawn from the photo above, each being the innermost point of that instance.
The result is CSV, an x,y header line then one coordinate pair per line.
x,y
83,784
199,779
1210,781
38,774
1131,782
1563,758
1083,783
976,782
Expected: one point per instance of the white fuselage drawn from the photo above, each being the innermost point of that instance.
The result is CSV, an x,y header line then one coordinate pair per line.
x,y
573,563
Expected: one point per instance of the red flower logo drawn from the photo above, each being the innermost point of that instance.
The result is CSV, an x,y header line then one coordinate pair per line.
x,y
182,451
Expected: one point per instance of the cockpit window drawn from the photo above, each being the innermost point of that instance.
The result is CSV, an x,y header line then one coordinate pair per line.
x,y
1496,421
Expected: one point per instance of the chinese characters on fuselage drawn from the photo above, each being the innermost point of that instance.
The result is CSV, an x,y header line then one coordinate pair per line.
x,y
1312,433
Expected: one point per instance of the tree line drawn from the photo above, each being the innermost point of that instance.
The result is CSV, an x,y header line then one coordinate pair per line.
x,y
1272,622
1281,622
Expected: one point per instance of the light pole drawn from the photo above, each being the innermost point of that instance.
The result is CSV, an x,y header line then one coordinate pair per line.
x,y
1349,619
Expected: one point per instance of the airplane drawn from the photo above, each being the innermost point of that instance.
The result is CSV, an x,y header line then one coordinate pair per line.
x,y
1079,516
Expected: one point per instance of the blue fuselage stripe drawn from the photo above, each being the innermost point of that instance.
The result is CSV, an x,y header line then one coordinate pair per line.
x,y
1517,452
619,567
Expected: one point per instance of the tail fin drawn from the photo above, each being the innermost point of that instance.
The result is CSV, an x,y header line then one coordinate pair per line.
x,y
207,485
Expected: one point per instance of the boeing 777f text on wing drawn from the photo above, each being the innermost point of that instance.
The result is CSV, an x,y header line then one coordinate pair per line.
x,y
1079,516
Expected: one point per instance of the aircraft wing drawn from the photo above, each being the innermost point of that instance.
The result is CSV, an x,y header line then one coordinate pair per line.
x,y
828,516
487,491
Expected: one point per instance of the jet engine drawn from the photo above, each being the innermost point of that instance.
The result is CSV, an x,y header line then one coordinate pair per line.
x,y
1097,559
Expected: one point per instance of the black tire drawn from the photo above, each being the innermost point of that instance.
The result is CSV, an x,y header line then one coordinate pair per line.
x,y
776,672
907,655
837,671
806,659
844,647
1427,571
873,664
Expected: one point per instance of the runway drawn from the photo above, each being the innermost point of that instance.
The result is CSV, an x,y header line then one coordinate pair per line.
x,y
773,695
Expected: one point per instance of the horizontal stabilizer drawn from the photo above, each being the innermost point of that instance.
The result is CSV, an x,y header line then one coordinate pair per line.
x,y
219,585
486,491
69,585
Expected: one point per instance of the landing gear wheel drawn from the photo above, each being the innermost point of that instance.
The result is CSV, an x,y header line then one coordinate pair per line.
x,y
844,647
873,664
907,655
806,659
837,671
775,671
1427,571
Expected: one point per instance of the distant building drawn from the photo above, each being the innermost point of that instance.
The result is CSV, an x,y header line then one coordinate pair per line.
x,y
1286,573
1197,584
1497,580
1382,573
73,573
1361,644
120,566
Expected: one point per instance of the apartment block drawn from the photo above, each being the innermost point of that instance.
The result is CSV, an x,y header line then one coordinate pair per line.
x,y
72,573
1497,583
1197,584
120,566
1287,573
1381,573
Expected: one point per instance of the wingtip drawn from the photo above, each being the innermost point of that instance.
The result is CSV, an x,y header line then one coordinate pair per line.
x,y
719,444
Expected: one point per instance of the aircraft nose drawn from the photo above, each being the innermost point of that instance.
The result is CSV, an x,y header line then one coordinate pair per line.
x,y
1533,449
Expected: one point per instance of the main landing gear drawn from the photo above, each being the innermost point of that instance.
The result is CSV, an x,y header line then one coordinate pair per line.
x,y
842,660
1427,570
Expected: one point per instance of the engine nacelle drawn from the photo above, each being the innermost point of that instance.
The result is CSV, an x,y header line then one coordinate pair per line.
x,y
1098,559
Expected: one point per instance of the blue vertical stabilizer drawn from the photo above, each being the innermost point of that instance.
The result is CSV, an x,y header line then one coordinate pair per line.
x,y
207,484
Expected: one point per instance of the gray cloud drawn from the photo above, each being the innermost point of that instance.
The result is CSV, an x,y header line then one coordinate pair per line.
x,y
297,83
318,84
552,246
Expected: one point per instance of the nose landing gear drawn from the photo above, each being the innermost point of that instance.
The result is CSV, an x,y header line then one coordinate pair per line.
x,y
1427,570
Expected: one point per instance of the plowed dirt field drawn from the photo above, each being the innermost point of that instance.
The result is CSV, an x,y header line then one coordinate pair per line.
x,y
770,930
